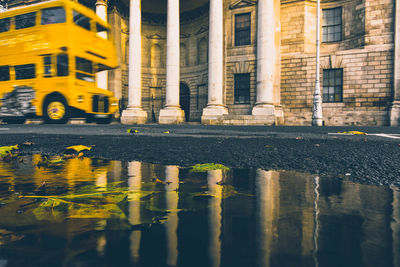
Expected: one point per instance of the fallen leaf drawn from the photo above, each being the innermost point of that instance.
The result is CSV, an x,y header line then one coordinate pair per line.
x,y
6,150
132,131
166,132
79,148
353,133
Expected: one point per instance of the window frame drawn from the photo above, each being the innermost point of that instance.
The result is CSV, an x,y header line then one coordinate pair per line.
x,y
49,71
80,74
86,17
52,8
236,41
16,20
9,73
9,24
238,89
327,85
326,26
58,69
16,70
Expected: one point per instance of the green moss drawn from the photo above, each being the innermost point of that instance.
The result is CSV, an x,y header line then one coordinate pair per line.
x,y
208,167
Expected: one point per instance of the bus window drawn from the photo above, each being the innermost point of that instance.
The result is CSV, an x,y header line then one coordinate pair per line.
x,y
62,65
81,20
4,73
47,66
4,25
84,69
26,71
25,20
53,15
102,31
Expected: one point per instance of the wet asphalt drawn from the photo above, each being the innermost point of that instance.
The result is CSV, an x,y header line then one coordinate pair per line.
x,y
373,158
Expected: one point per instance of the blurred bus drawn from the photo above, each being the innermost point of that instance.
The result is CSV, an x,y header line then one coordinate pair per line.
x,y
49,55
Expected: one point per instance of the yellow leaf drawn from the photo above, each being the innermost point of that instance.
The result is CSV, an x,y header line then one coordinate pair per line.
x,y
353,132
132,131
166,132
6,150
79,148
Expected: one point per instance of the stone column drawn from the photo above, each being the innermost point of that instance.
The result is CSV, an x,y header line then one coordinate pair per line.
x,y
172,112
134,114
266,61
215,108
101,11
395,108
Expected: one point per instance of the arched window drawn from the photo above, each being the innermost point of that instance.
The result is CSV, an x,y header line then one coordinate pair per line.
x,y
155,56
203,51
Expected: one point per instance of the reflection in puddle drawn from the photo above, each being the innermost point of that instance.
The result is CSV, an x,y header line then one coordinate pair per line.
x,y
87,212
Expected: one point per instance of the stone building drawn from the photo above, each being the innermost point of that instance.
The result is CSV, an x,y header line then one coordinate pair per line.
x,y
250,62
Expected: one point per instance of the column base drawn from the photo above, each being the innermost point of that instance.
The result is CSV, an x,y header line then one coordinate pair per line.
x,y
171,115
213,115
395,113
134,116
267,113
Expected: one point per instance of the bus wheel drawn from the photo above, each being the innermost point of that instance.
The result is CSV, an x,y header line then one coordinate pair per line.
x,y
106,120
55,111
15,121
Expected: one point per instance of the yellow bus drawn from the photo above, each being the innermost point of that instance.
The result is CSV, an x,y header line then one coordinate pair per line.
x,y
49,55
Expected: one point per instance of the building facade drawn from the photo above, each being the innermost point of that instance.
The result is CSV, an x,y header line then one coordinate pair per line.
x,y
250,62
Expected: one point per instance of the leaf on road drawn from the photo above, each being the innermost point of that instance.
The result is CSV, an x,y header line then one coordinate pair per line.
x,y
132,131
353,133
79,148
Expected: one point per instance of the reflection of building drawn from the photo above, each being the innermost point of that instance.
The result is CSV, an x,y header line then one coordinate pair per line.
x,y
253,62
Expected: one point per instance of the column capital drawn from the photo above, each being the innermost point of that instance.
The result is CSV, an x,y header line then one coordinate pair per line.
x,y
101,3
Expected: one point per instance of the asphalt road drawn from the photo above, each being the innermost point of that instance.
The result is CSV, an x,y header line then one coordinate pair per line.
x,y
373,158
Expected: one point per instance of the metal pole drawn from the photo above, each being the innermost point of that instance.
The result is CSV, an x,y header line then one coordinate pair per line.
x,y
317,101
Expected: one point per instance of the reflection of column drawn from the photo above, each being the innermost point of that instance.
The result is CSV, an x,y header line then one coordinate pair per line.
x,y
134,183
396,226
267,193
395,108
172,113
215,107
215,217
101,11
134,114
171,224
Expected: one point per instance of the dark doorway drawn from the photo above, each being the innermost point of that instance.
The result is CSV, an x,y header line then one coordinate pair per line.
x,y
184,99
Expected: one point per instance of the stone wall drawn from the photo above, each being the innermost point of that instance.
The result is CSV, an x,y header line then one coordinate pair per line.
x,y
365,54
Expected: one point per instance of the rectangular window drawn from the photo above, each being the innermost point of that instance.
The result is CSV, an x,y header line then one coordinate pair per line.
x,y
102,31
4,25
242,88
4,73
332,85
332,25
84,69
25,20
81,20
53,15
26,71
47,66
242,29
62,65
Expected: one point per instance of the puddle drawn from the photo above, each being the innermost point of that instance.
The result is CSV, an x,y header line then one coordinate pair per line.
x,y
90,212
